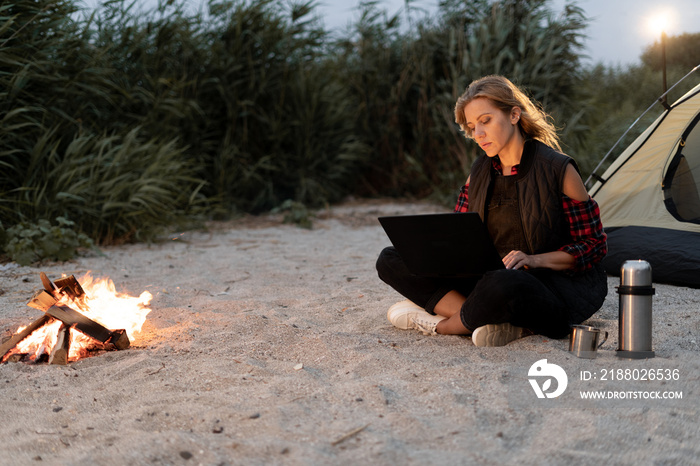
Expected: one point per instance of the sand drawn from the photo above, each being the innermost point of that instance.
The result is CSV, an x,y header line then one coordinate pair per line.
x,y
269,344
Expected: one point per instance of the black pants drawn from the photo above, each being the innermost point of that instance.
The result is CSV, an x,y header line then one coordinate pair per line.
x,y
524,298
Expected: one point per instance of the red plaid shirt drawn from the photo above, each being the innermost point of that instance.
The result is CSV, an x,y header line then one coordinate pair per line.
x,y
588,240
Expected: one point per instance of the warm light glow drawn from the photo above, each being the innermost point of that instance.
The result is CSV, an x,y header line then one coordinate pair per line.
x,y
660,22
104,305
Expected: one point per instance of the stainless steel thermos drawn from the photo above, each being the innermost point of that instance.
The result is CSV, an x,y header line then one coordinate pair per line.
x,y
636,293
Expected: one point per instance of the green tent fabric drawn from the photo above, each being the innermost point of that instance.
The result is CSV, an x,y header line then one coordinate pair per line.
x,y
649,197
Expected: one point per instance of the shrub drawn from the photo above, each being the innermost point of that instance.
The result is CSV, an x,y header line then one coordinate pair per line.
x,y
295,212
31,242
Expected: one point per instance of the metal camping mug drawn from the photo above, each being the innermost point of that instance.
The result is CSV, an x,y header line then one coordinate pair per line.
x,y
583,342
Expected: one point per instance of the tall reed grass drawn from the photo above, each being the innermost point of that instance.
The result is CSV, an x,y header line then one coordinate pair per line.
x,y
407,82
126,121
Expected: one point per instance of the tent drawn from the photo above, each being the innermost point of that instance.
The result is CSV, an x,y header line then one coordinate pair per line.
x,y
649,197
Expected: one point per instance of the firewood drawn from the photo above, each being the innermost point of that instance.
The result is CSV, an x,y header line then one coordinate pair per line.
x,y
16,338
71,287
17,357
59,353
86,325
120,339
48,286
89,327
42,300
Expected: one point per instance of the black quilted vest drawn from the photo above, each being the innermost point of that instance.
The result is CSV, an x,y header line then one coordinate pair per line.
x,y
538,185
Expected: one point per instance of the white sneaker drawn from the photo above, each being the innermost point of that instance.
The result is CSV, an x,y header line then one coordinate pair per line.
x,y
402,315
497,334
427,326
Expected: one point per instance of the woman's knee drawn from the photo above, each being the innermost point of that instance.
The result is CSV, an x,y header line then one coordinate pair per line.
x,y
509,295
503,282
386,258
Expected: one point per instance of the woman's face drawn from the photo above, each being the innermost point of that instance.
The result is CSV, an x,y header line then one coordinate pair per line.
x,y
495,132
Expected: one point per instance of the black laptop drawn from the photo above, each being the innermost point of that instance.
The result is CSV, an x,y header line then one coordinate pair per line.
x,y
443,245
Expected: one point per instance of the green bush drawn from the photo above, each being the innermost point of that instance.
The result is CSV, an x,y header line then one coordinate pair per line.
x,y
295,212
31,242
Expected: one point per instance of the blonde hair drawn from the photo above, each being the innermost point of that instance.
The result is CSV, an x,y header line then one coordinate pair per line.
x,y
534,122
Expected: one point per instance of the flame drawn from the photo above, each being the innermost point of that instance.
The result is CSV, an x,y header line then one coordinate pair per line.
x,y
39,342
103,304
110,308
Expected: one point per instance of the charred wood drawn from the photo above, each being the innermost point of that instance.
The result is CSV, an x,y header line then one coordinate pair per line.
x,y
86,325
17,357
120,339
71,287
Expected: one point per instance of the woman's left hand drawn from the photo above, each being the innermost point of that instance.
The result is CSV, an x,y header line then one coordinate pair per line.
x,y
518,260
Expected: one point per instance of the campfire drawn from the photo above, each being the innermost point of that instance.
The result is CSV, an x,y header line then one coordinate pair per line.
x,y
79,319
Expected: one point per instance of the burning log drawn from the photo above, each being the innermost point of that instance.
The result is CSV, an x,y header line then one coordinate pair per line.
x,y
104,338
74,318
65,304
88,326
42,300
120,339
48,286
70,286
17,357
59,353
18,337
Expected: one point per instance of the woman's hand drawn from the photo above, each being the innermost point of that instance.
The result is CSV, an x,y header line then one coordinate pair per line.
x,y
555,260
518,260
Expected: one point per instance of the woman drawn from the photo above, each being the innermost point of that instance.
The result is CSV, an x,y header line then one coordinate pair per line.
x,y
544,224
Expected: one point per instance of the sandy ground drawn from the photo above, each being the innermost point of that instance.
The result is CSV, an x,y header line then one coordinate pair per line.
x,y
214,378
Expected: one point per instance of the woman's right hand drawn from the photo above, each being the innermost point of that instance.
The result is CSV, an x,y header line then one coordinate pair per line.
x,y
555,260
